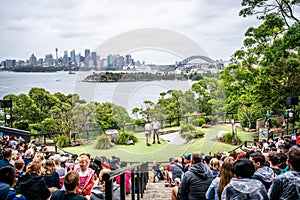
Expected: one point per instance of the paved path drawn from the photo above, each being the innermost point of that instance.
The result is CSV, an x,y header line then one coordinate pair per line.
x,y
173,138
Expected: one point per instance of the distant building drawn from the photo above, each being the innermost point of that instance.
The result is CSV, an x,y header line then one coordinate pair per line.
x,y
32,60
94,59
87,57
72,57
110,61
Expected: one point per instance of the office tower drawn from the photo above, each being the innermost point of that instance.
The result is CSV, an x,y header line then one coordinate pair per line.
x,y
94,59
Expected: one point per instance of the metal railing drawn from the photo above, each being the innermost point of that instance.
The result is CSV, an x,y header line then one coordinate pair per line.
x,y
139,180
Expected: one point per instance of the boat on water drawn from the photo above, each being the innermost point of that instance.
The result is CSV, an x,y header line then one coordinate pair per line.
x,y
71,72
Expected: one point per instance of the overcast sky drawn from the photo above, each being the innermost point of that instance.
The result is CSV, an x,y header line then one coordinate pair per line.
x,y
35,26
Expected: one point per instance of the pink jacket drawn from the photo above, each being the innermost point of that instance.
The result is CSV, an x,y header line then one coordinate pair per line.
x,y
89,184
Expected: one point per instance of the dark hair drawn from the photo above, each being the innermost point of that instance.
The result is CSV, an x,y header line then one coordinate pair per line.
x,y
7,175
207,159
294,158
197,157
71,180
7,153
243,168
274,157
258,157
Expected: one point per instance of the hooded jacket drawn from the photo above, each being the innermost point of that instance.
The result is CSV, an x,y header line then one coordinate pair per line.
x,y
264,175
286,186
245,188
195,183
33,187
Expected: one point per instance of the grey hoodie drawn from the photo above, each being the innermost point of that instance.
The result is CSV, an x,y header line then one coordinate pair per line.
x,y
286,186
239,189
264,175
195,183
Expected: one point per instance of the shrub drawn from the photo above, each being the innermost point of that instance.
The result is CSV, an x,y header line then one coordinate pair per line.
x,y
199,121
187,128
124,137
192,135
61,141
228,137
103,142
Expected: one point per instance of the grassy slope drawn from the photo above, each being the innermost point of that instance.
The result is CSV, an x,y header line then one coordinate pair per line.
x,y
162,152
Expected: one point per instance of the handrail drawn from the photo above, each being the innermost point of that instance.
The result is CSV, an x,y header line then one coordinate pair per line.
x,y
139,180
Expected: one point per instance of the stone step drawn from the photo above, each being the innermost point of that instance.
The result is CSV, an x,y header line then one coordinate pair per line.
x,y
155,191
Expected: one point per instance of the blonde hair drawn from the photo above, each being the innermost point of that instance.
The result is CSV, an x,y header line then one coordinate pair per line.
x,y
214,164
48,167
34,168
84,157
225,174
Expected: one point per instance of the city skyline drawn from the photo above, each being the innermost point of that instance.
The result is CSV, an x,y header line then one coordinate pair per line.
x,y
40,27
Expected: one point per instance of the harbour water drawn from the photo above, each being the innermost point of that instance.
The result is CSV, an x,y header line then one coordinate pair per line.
x,y
126,94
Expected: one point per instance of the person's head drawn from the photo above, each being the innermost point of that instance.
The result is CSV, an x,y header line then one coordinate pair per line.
x,y
177,181
8,175
7,153
19,164
294,158
274,158
29,153
218,155
84,162
102,172
243,168
225,174
196,158
48,167
207,159
187,158
214,164
71,180
34,168
258,159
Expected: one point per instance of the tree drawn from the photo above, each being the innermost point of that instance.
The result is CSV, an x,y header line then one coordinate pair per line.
x,y
261,8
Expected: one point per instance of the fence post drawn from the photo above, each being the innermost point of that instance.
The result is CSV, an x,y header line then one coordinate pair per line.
x,y
122,186
132,184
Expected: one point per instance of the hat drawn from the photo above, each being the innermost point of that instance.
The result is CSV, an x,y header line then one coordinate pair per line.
x,y
187,156
286,145
264,140
66,154
33,141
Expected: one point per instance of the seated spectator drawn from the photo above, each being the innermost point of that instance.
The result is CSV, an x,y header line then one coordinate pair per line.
x,y
98,192
187,162
4,190
263,173
218,184
86,177
8,175
274,160
176,169
28,157
32,185
287,186
214,166
50,175
5,161
19,164
196,181
175,189
155,170
71,180
127,179
242,186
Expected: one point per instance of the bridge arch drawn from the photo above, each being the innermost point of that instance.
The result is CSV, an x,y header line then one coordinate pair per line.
x,y
188,59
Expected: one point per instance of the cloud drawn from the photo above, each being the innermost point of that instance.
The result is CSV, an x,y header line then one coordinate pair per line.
x,y
75,24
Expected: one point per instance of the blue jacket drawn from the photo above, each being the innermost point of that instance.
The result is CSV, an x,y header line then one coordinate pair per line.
x,y
4,163
14,196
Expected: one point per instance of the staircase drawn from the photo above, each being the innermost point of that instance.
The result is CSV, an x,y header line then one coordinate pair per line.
x,y
155,191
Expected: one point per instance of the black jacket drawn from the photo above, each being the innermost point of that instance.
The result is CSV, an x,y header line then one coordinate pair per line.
x,y
33,187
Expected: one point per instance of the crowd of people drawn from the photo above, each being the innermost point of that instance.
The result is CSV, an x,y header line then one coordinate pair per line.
x,y
31,172
267,170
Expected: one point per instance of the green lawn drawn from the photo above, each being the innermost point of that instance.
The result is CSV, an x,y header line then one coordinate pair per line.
x,y
162,152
